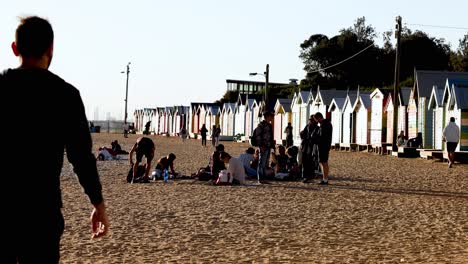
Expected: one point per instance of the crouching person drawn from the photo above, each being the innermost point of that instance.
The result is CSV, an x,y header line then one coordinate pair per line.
x,y
235,168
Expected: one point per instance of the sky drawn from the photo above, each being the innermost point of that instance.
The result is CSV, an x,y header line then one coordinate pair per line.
x,y
183,51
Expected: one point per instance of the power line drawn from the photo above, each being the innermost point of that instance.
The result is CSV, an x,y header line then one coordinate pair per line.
x,y
436,26
347,59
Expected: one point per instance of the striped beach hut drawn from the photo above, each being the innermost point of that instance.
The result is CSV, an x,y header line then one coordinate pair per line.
x,y
336,111
282,118
300,114
349,119
212,117
422,121
155,121
436,105
138,116
251,114
240,112
169,119
378,125
362,108
457,107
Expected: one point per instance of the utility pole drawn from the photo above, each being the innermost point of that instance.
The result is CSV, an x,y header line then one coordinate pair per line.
x,y
267,73
396,87
126,94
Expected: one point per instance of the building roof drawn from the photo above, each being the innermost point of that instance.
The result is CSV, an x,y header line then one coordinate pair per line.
x,y
425,80
285,104
405,95
338,103
328,95
460,92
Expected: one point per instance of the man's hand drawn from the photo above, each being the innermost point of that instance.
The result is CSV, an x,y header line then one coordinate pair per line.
x,y
99,221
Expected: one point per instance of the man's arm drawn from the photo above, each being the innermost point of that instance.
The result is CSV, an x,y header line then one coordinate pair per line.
x,y
78,144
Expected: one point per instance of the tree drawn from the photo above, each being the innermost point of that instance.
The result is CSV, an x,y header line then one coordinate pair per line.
x,y
459,59
419,51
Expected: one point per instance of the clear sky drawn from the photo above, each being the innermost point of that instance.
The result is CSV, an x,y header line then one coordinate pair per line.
x,y
182,51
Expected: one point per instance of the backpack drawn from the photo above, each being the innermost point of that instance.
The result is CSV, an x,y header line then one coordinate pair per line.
x,y
257,136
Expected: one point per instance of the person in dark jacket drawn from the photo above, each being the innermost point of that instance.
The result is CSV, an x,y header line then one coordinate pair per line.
x,y
324,144
310,151
33,221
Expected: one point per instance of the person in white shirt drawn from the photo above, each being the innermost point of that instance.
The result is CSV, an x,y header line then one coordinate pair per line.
x,y
235,169
451,136
246,159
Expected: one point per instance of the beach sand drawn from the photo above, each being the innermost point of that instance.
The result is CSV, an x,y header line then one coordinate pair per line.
x,y
377,209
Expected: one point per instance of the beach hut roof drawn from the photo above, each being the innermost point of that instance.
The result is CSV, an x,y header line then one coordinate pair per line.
x,y
365,100
328,95
214,110
459,93
436,97
425,80
337,103
283,103
405,95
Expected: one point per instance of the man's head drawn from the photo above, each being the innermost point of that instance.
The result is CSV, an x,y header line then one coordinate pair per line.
x,y
452,119
318,117
220,147
289,123
225,157
171,157
281,150
312,120
34,39
268,116
250,150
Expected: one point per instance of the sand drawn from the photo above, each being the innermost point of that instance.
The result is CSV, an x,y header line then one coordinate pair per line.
x,y
377,209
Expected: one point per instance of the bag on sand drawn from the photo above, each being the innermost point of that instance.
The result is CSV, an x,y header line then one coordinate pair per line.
x,y
139,176
224,178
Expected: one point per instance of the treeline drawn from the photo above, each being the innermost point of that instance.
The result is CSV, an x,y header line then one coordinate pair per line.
x,y
374,66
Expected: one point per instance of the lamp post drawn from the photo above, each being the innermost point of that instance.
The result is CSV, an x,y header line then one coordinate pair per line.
x,y
396,87
266,74
126,93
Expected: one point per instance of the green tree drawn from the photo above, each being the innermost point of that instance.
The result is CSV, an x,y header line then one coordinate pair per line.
x,y
459,59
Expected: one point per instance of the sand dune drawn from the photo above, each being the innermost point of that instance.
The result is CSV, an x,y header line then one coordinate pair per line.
x,y
377,209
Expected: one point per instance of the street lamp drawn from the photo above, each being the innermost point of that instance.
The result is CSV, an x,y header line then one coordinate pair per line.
x,y
126,93
266,74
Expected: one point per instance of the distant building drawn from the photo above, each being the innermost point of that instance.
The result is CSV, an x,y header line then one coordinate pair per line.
x,y
249,87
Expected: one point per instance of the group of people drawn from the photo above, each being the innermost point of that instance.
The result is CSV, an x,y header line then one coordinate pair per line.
x,y
32,237
144,147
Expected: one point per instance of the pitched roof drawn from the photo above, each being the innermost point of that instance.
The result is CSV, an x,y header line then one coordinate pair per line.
x,y
424,80
285,103
338,103
405,95
460,92
328,95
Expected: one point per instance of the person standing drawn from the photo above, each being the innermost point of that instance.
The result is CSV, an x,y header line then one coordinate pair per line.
x,y
147,128
451,136
217,135
33,217
289,135
324,144
213,136
143,147
310,151
203,132
265,144
183,133
125,129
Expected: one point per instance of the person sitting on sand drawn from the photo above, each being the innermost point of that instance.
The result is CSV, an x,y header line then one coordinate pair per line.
x,y
165,163
235,168
216,164
246,159
279,164
117,148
